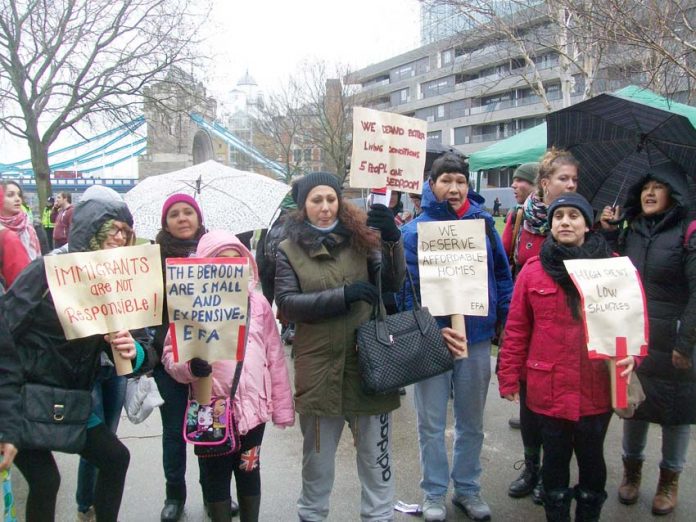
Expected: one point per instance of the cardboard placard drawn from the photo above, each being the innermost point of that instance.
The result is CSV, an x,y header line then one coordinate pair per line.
x,y
207,300
388,151
614,312
613,304
453,266
107,290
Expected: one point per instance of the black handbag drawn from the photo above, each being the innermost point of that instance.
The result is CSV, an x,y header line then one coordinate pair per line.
x,y
54,419
400,349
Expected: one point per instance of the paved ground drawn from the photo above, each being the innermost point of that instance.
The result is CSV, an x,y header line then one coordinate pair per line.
x,y
281,458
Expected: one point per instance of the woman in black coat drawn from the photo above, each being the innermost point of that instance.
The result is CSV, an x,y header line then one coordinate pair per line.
x,y
47,358
655,241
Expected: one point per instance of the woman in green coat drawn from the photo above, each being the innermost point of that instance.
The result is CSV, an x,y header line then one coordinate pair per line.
x,y
324,284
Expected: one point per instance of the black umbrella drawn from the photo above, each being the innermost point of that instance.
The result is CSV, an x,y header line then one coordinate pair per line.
x,y
618,142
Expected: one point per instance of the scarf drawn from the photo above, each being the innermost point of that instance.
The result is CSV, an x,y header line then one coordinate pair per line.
x,y
553,254
173,247
20,225
535,215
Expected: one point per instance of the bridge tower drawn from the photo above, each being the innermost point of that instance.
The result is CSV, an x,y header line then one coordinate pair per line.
x,y
174,141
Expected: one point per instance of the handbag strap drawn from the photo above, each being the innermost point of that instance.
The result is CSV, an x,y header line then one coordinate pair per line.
x,y
377,309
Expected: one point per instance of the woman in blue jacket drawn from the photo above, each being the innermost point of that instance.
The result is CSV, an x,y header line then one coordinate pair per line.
x,y
446,197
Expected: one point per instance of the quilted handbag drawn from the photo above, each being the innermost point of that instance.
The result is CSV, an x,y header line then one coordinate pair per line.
x,y
400,349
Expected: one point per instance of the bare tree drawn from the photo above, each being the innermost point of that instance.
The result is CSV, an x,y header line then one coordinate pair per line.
x,y
658,36
280,122
313,111
67,61
327,103
535,35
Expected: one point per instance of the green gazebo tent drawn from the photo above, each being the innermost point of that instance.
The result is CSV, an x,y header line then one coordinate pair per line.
x,y
530,145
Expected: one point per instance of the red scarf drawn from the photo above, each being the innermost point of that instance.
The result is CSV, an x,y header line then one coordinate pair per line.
x,y
462,210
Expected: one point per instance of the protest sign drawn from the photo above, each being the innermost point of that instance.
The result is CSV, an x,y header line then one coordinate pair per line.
x,y
614,310
106,291
453,267
207,300
388,151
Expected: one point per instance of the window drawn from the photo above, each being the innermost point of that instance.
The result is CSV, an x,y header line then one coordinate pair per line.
x,y
461,135
296,155
307,154
446,57
436,87
435,138
403,72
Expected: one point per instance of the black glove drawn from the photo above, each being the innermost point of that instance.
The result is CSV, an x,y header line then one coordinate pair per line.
x,y
200,367
381,218
361,291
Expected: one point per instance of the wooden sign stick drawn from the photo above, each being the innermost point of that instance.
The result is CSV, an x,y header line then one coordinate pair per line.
x,y
619,385
123,366
459,325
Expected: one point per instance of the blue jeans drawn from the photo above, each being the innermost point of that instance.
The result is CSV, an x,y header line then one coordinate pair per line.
x,y
675,443
108,395
469,382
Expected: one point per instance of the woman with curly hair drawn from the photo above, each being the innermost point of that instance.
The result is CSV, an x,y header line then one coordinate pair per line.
x,y
325,274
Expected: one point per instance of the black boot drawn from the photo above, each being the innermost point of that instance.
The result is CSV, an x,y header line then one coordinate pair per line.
x,y
589,504
524,484
220,511
174,503
538,492
249,508
234,508
557,505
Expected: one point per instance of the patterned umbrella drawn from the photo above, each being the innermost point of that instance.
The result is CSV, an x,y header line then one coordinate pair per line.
x,y
230,199
618,141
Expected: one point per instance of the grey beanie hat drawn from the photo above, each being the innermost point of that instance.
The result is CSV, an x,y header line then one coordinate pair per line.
x,y
572,199
303,186
527,172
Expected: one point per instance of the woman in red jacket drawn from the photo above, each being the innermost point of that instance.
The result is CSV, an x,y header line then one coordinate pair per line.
x,y
568,392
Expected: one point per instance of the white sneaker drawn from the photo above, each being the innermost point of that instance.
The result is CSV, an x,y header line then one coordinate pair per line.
x,y
434,509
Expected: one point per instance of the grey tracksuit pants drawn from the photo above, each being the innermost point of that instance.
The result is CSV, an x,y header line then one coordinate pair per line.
x,y
372,440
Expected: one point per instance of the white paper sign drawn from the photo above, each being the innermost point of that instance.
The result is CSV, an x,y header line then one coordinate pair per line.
x,y
453,265
107,290
613,304
207,300
388,151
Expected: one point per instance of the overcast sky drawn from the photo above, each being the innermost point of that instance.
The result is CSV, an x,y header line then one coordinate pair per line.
x,y
271,38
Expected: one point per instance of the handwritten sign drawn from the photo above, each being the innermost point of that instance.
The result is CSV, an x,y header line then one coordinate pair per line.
x,y
207,300
614,306
388,150
453,265
107,290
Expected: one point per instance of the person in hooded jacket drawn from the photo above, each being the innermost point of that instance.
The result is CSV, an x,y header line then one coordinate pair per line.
x,y
47,357
545,335
446,197
263,394
324,284
655,240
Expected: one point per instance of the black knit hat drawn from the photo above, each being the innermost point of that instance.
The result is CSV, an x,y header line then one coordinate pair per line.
x,y
572,199
303,186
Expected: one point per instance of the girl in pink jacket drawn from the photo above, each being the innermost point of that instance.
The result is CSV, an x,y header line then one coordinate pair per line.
x,y
263,394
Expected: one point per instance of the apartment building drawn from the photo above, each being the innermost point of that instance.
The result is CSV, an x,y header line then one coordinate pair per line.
x,y
473,89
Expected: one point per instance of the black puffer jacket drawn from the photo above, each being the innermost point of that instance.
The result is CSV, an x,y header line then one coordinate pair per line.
x,y
655,245
46,356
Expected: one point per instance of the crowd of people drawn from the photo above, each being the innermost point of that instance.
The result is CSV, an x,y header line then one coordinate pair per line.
x,y
321,265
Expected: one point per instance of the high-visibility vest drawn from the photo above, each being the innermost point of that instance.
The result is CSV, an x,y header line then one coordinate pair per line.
x,y
46,218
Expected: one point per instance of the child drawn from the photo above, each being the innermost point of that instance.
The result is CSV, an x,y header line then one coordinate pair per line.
x,y
263,394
